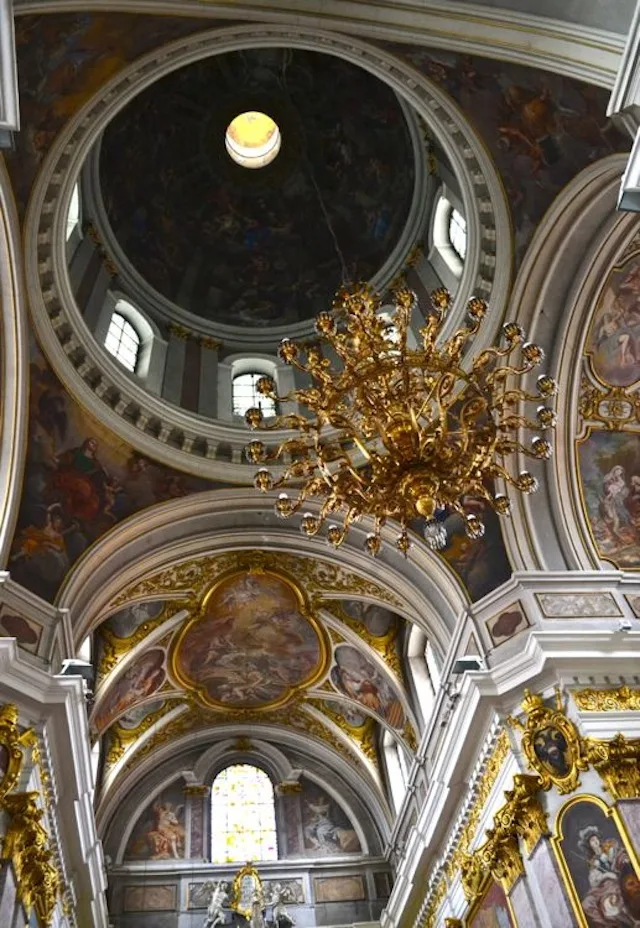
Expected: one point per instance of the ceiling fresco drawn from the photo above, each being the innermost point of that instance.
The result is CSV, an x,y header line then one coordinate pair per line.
x,y
254,644
540,128
272,245
63,59
250,645
608,450
80,481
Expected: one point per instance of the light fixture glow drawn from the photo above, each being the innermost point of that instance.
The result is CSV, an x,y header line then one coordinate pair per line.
x,y
253,139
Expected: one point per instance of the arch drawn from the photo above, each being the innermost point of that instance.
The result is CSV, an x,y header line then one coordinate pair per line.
x,y
243,793
14,365
487,271
552,297
423,586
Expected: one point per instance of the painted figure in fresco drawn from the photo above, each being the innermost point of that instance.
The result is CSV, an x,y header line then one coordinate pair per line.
x,y
166,837
552,750
215,910
608,864
140,680
614,499
358,678
323,834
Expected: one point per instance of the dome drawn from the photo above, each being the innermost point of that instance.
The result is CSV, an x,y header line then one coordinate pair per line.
x,y
269,246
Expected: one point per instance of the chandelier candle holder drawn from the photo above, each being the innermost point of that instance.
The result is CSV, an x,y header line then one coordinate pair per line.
x,y
398,433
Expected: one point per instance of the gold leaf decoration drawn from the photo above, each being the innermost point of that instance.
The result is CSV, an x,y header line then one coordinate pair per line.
x,y
622,699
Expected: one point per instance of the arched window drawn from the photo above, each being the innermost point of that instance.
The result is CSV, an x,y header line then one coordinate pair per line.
x,y
243,818
122,341
73,216
397,770
458,232
424,670
245,395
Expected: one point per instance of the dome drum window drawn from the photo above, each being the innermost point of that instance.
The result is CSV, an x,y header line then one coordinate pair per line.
x,y
246,395
123,341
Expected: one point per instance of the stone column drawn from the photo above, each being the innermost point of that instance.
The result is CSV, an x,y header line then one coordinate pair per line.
x,y
208,395
523,904
196,819
174,366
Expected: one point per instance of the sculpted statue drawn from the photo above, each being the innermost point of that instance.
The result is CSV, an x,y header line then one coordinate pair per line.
x,y
281,918
215,911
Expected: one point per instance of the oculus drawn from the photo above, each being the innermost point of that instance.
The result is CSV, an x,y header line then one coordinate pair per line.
x,y
253,139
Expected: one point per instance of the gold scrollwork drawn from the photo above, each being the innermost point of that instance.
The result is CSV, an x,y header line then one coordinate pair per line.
x,y
121,738
195,575
614,407
385,645
363,735
114,648
622,699
12,743
27,845
618,763
551,743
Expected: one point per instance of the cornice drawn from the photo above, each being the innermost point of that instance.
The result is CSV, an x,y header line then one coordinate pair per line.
x,y
152,426
565,48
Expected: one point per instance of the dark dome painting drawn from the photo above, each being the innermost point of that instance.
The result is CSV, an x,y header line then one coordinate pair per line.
x,y
269,246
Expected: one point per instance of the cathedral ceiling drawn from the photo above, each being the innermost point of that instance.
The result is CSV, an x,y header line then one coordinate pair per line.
x,y
257,639
272,245
319,662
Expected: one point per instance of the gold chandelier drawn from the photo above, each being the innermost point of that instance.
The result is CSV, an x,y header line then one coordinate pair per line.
x,y
397,432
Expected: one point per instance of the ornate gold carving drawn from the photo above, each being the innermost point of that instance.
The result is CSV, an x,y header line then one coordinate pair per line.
x,y
198,718
198,790
179,331
363,735
289,786
123,738
452,923
385,645
551,743
196,575
614,407
246,885
622,699
409,736
207,341
114,648
523,813
618,763
26,844
12,741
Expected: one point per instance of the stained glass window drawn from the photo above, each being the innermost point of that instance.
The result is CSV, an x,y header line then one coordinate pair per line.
x,y
243,819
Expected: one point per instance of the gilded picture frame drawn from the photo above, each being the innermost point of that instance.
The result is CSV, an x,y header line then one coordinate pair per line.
x,y
602,870
247,885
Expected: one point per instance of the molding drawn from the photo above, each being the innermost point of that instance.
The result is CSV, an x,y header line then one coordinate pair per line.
x,y
9,101
424,588
624,104
14,360
566,48
152,426
57,707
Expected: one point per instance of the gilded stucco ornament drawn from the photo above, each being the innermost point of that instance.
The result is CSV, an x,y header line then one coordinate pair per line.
x,y
247,891
27,845
452,923
195,575
618,763
622,699
551,743
122,739
114,649
362,735
385,645
12,743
